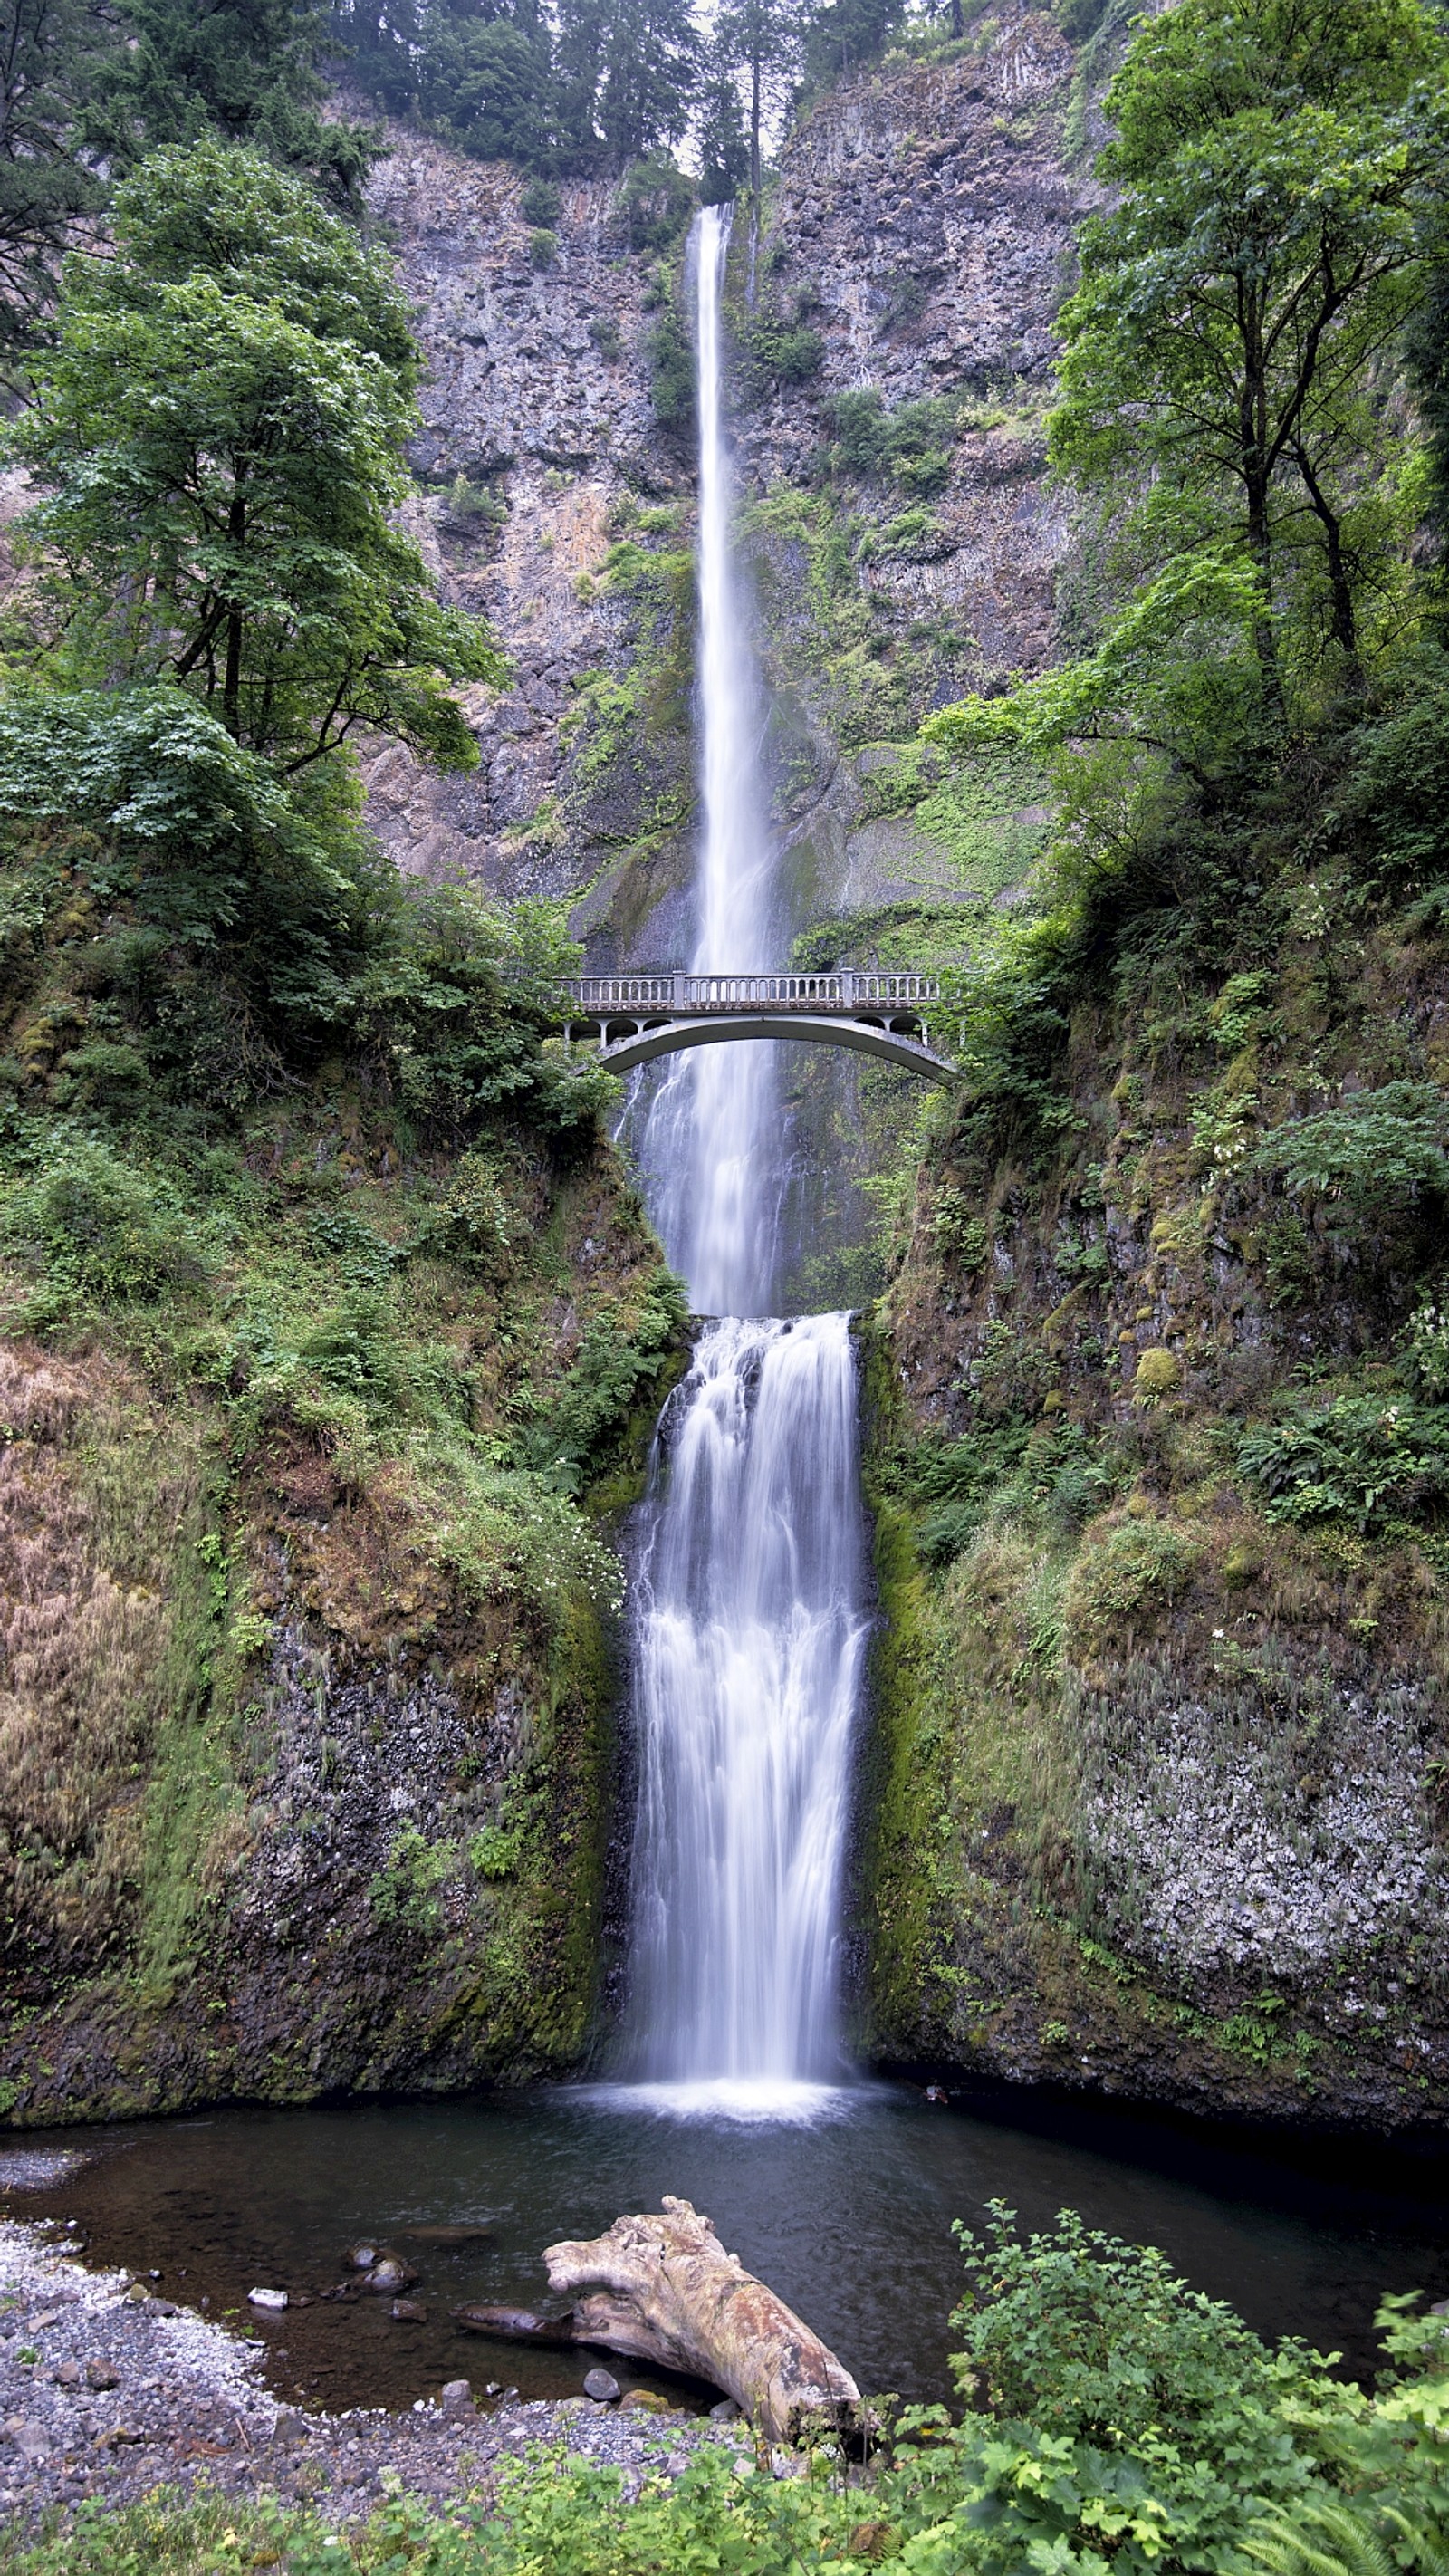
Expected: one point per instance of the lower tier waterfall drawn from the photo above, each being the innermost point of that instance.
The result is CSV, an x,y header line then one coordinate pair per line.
x,y
748,1641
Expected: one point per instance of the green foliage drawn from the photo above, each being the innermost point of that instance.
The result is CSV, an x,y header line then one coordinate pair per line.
x,y
1365,1459
54,50
540,203
1395,797
219,430
617,1361
249,70
405,1892
911,443
92,1227
1384,1143
778,351
1274,169
485,82
670,354
1131,1572
1051,1475
542,249
843,35
656,202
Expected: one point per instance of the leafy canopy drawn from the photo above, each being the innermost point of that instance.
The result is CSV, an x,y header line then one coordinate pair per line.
x,y
220,431
1276,162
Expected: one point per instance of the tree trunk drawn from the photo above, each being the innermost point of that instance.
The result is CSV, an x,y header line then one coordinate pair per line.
x,y
236,529
1345,631
664,2290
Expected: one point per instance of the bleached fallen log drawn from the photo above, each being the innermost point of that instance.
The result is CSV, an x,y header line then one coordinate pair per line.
x,y
663,2289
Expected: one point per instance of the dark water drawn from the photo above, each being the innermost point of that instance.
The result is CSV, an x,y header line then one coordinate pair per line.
x,y
848,2217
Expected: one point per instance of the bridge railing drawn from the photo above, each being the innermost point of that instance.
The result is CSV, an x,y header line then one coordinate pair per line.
x,y
846,988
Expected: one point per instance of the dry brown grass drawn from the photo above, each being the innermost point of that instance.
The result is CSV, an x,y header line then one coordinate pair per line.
x,y
82,1655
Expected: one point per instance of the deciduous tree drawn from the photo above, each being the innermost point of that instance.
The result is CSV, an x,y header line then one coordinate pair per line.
x,y
219,430
1274,159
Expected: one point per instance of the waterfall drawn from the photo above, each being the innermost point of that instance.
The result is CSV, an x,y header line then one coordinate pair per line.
x,y
716,1117
749,1620
750,1638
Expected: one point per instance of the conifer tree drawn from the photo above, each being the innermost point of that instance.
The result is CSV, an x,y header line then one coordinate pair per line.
x,y
51,52
249,70
627,71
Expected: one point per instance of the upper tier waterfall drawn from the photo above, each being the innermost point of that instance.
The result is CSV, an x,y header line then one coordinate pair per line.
x,y
749,1619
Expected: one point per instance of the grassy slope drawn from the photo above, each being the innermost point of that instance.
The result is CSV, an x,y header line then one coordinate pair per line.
x,y
304,1753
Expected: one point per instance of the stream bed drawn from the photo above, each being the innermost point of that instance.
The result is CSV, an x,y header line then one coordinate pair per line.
x,y
847,2213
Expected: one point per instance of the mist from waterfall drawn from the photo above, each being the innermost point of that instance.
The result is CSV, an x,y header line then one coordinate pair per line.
x,y
749,1619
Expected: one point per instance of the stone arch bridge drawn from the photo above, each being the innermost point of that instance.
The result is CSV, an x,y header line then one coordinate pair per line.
x,y
638,1017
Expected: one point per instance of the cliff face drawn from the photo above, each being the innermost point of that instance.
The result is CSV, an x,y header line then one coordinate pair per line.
x,y
914,245
305,1741
1158,1790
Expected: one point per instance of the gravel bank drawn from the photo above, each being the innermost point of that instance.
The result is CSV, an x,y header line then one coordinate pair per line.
x,y
108,2391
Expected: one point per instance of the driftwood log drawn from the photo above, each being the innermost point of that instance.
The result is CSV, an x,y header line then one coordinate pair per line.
x,y
664,2290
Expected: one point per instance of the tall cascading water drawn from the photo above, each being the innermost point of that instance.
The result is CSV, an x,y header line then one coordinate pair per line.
x,y
750,1587
711,1142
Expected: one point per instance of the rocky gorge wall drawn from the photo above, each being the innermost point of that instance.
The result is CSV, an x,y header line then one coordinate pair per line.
x,y
1152,1799
919,234
306,1755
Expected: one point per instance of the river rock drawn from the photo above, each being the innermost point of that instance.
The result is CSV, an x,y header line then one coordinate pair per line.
x,y
102,2374
408,2312
272,2299
457,2397
602,2386
389,2274
362,2256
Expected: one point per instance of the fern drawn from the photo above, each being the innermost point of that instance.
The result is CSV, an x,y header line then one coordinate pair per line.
x,y
1319,2539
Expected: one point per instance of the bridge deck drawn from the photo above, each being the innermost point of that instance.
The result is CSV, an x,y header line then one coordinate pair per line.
x,y
851,991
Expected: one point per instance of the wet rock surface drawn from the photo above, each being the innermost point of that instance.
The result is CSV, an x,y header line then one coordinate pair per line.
x,y
108,2396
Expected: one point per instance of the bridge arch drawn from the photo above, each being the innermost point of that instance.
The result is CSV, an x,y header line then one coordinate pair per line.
x,y
670,1037
878,1012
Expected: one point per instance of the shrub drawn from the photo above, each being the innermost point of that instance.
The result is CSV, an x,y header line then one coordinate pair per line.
x,y
1383,1143
1085,2335
778,352
1125,1577
670,353
542,249
406,1891
614,1363
656,202
539,203
1355,1458
94,1226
